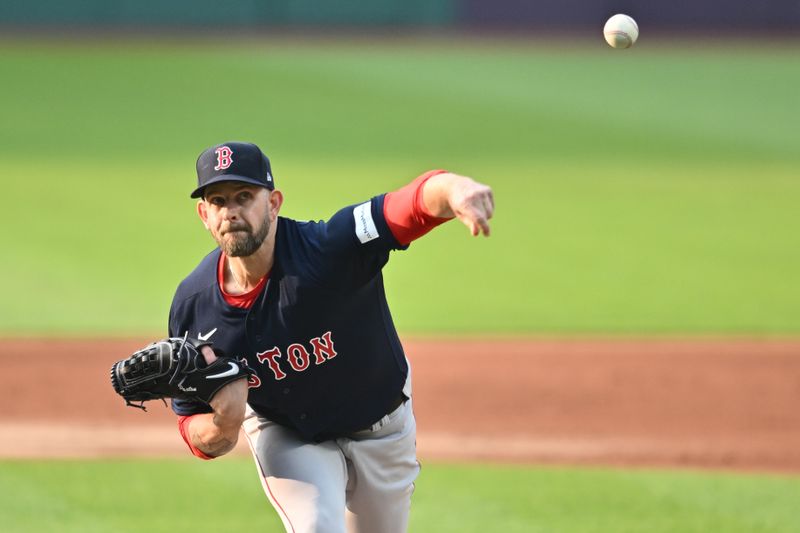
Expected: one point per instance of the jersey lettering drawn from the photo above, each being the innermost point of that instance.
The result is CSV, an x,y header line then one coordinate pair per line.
x,y
224,158
253,381
323,350
271,356
298,357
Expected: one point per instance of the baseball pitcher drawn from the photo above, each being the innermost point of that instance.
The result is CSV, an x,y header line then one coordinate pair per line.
x,y
284,330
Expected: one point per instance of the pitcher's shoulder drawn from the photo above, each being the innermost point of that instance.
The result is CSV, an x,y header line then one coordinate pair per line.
x,y
201,278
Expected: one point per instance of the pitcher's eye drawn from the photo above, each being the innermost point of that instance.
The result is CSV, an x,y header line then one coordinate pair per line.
x,y
217,201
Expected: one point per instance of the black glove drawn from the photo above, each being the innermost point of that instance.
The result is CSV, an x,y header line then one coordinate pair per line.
x,y
173,368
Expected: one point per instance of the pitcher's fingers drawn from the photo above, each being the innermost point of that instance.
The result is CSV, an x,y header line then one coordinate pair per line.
x,y
483,224
477,224
208,354
470,223
488,205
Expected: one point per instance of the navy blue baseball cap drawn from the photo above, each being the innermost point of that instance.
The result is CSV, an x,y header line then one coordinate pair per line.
x,y
233,161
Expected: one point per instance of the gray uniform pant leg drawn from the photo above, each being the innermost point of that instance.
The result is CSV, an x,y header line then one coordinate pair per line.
x,y
382,467
359,484
304,482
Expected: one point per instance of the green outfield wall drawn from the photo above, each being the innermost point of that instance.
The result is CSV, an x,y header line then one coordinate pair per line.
x,y
193,13
543,15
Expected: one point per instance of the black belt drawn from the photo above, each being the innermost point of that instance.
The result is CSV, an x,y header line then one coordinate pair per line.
x,y
400,400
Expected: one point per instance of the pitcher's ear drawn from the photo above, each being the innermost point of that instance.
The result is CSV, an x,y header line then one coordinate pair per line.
x,y
202,212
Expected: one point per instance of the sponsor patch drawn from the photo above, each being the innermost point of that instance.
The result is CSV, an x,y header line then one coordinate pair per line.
x,y
365,226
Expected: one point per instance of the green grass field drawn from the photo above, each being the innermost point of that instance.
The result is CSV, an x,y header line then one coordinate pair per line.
x,y
652,190
187,496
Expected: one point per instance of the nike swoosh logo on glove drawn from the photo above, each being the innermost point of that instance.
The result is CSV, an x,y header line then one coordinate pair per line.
x,y
234,369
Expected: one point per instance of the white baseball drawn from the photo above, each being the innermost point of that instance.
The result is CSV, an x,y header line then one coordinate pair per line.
x,y
621,31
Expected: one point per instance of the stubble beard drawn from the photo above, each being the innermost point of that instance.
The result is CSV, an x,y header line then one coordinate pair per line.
x,y
243,241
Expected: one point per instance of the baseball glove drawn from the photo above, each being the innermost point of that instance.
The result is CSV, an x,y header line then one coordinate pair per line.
x,y
173,368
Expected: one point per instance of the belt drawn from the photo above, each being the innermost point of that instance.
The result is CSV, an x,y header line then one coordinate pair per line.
x,y
397,402
400,400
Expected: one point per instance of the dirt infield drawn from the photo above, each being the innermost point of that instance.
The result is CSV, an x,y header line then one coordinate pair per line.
x,y
729,404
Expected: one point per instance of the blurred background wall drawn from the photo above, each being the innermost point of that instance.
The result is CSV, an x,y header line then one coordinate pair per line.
x,y
727,15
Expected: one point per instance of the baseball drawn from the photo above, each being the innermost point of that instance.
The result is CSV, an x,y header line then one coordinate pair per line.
x,y
621,31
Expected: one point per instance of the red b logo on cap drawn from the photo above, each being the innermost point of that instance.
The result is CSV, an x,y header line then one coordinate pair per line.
x,y
224,159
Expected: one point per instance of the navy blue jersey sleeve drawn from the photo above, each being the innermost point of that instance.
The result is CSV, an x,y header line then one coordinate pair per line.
x,y
188,407
354,244
171,324
359,228
179,406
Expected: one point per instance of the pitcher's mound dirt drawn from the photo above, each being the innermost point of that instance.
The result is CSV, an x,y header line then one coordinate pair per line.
x,y
696,403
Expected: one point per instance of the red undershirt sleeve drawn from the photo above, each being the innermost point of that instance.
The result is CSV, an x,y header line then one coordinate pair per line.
x,y
405,211
183,427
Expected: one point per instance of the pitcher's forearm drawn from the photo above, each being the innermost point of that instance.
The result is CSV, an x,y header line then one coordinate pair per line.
x,y
216,433
436,193
212,436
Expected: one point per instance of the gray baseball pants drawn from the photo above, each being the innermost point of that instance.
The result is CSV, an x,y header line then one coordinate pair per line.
x,y
358,484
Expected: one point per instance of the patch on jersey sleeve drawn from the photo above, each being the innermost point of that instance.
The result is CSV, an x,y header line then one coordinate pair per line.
x,y
365,226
